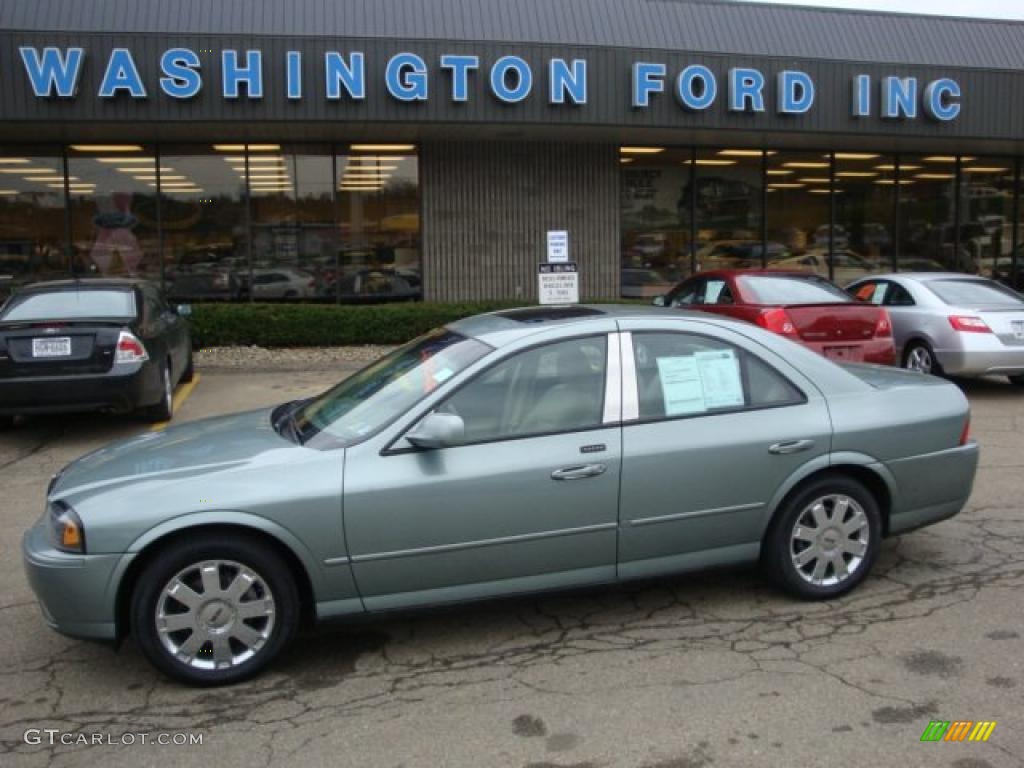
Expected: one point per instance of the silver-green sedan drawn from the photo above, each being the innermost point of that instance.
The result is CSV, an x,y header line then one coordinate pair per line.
x,y
509,453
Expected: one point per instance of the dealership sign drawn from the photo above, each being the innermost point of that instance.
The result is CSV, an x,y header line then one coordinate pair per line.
x,y
55,73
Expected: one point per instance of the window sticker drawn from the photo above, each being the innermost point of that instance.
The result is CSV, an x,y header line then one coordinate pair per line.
x,y
681,385
721,382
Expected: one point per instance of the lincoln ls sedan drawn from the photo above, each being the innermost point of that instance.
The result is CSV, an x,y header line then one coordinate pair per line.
x,y
516,452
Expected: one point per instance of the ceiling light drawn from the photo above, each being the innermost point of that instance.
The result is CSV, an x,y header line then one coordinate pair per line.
x,y
48,178
891,167
151,177
824,191
27,171
8,192
891,182
805,165
368,167
13,160
375,158
106,147
853,156
744,153
137,169
935,176
857,174
626,159
251,147
173,184
946,159
985,169
815,180
264,176
785,186
640,150
779,172
124,159
708,161
382,147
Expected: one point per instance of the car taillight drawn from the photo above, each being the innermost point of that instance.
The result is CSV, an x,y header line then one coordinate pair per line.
x,y
884,327
966,434
777,321
130,349
968,324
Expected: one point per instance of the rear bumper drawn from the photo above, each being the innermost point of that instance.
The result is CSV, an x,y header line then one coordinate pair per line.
x,y
124,388
1001,361
931,487
876,351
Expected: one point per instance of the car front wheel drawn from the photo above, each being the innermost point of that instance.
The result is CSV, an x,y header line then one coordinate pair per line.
x,y
213,612
824,539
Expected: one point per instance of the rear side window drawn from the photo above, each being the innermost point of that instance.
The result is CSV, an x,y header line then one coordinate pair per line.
x,y
70,305
682,374
792,289
971,293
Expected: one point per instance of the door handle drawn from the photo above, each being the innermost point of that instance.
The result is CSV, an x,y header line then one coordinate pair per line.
x,y
579,472
793,446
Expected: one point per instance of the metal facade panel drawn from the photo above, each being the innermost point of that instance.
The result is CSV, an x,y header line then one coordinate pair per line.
x,y
693,25
487,207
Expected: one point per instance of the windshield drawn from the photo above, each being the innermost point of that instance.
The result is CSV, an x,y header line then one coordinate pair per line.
x,y
974,293
381,392
792,289
70,305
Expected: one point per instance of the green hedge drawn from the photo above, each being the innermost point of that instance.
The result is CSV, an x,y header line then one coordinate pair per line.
x,y
323,325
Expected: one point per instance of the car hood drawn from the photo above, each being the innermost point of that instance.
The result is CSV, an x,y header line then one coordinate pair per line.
x,y
192,449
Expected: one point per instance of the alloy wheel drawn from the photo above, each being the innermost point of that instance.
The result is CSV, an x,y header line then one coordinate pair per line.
x,y
215,614
920,359
829,540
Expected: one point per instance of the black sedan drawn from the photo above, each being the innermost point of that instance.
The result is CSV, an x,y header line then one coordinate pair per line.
x,y
91,345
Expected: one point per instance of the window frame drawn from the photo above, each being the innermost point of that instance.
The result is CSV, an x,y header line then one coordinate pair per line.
x,y
611,381
632,395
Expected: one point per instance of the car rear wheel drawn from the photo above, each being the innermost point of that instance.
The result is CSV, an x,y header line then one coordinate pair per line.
x,y
824,539
163,410
919,357
213,612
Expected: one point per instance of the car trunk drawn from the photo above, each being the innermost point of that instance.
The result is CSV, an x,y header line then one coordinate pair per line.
x,y
57,348
834,323
1007,323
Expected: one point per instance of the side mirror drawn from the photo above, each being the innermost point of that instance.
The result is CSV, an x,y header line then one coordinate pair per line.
x,y
185,310
659,301
437,430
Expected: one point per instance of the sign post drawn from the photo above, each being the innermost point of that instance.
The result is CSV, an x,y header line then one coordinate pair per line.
x,y
558,283
558,246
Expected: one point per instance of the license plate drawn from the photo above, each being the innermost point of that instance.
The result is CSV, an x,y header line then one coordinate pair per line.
x,y
1018,329
847,354
58,347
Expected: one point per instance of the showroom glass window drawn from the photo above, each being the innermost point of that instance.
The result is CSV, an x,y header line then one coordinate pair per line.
x,y
797,192
655,219
294,234
986,214
728,209
865,204
113,193
377,255
32,216
927,215
204,227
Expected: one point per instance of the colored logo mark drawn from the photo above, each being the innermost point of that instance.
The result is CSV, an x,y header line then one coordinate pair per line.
x,y
958,730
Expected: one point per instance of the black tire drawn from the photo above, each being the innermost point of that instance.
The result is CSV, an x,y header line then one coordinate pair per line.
x,y
190,369
783,546
919,356
1016,380
163,410
272,576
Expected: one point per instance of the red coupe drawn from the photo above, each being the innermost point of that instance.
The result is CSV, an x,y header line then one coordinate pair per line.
x,y
800,306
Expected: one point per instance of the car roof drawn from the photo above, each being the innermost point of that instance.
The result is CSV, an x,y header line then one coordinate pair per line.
x,y
509,325
922,277
86,283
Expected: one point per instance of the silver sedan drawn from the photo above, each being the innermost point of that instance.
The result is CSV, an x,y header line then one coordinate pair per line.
x,y
951,323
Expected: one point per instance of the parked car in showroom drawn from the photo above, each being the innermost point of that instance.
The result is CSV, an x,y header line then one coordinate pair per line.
x,y
515,452
283,283
91,345
799,305
951,323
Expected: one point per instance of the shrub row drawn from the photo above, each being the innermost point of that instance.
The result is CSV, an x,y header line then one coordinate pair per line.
x,y
323,325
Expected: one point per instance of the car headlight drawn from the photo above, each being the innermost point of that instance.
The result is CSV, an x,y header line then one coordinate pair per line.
x,y
66,528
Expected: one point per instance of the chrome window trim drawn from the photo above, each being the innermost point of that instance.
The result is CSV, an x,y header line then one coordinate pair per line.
x,y
613,381
630,391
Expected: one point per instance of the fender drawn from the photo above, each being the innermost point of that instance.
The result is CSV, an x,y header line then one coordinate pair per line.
x,y
819,463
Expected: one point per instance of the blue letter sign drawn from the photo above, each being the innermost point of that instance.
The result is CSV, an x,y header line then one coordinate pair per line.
x,y
53,72
180,81
251,74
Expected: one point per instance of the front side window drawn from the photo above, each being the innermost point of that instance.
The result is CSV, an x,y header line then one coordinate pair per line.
x,y
690,292
548,389
681,374
365,402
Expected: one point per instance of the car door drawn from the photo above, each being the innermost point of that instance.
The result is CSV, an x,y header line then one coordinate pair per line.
x,y
904,314
714,425
528,500
176,332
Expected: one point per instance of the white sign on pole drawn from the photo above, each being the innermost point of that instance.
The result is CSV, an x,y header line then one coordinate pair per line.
x,y
558,246
558,283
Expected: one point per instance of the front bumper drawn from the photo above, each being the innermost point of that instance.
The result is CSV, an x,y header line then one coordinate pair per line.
x,y
77,593
993,359
124,388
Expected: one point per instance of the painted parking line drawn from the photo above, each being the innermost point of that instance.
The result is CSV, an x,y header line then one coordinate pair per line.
x,y
179,397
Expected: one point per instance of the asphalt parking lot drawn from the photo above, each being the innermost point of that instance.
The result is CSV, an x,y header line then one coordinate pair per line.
x,y
710,670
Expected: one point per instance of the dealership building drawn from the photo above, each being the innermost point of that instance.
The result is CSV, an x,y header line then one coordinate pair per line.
x,y
367,150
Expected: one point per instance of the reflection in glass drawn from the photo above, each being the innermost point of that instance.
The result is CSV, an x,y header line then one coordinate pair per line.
x,y
865,199
798,211
986,215
727,193
32,225
377,256
114,210
202,207
926,213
